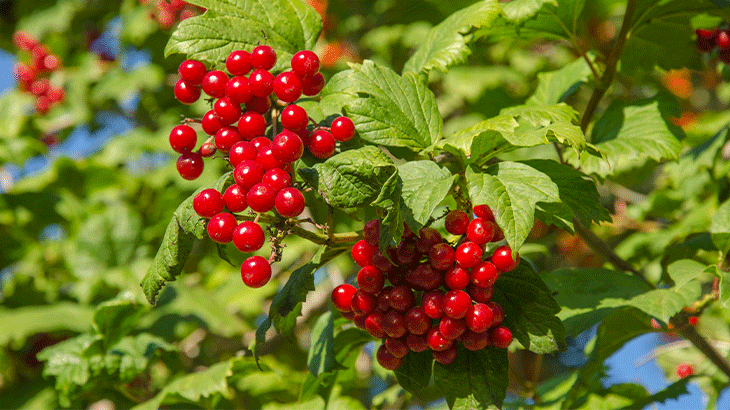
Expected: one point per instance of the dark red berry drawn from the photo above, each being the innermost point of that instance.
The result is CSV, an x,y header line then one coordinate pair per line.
x,y
208,202
342,129
374,325
437,341
289,202
235,198
479,294
500,337
241,151
214,83
186,93
238,62
237,90
484,275
248,236
394,324
261,197
294,117
226,138
452,328
322,144
305,63
192,72
370,279
261,83
498,313
457,277
287,147
261,105
342,297
456,222
480,231
417,322
190,165
263,57
402,298
441,256
313,85
362,253
723,40
502,259
479,318
371,232
364,303
432,303
359,321
407,253
456,303
210,122
384,299
417,343
397,347
247,174
428,237
382,263
221,227
287,87
425,276
207,150
255,271
183,138
445,357
475,341
387,359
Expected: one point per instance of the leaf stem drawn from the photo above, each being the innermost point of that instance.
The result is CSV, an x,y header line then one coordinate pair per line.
x,y
611,65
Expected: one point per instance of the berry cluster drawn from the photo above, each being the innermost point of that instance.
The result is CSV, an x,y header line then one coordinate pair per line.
x,y
262,165
33,76
708,40
455,283
168,13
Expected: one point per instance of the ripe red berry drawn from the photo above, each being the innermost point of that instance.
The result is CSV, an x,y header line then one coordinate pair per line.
x,y
183,138
484,275
207,150
371,232
261,105
289,202
210,122
208,202
426,276
428,237
237,90
50,62
322,144
417,343
39,87
294,117
416,320
706,39
287,86
255,271
387,359
484,211
407,253
266,159
342,129
452,328
723,40
469,254
241,151
479,317
441,256
370,279
261,197
190,165
277,178
384,299
359,321
397,347
247,174
186,93
226,138
432,303
475,341
685,370
374,325
498,313
251,125
394,324
456,303
56,94
192,72
313,85
235,198
402,298
502,259
362,253
260,142
479,294
214,83
342,297
261,83
382,263
305,63
437,341
500,337
238,62
364,303
263,57
456,222
480,231
287,147
457,277
221,227
248,236
445,357
227,111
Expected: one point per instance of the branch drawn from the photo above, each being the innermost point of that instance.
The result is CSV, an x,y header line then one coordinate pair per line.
x,y
315,237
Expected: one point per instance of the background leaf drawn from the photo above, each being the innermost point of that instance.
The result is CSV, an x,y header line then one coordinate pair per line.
x,y
555,86
425,185
720,228
321,357
475,380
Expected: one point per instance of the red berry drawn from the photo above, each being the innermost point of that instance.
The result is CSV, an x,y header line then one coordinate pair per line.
x,y
221,227
445,357
183,138
498,313
210,122
397,347
382,263
417,343
207,150
241,151
294,117
214,83
190,165
723,40
475,341
402,298
226,137
247,174
287,147
261,197
261,83
456,222
260,143
384,299
363,303
186,93
394,324
266,159
387,359
305,63
362,253
407,253
251,125
452,328
39,87
433,304
277,178
359,321
370,279
484,275
255,271
287,86
416,320
56,94
313,85
42,104
51,62
248,236
261,105
428,237
322,144
457,277
227,111
237,90
484,212
437,341
208,202
500,337
441,256
479,294
685,370
192,72
342,297
235,198
693,320
502,258
374,325
371,232
238,62
342,129
456,303
425,276
480,231
263,57
479,317
469,254
289,202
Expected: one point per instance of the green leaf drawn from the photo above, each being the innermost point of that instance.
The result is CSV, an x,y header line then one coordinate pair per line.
x,y
116,318
512,190
518,11
391,110
445,45
530,310
555,86
720,229
68,363
131,355
475,380
228,25
414,374
552,20
321,357
671,392
665,303
22,322
425,185
629,134
588,295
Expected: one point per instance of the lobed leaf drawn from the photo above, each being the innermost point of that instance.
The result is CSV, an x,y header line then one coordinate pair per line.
x,y
22,322
321,358
115,318
425,185
475,380
518,11
554,87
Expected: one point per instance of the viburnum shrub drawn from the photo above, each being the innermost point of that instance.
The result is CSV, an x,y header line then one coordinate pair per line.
x,y
34,71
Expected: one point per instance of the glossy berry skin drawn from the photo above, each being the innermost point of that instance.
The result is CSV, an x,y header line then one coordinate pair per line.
x,y
247,174
723,40
445,357
416,321
370,279
261,197
374,325
402,298
469,254
456,304
261,83
235,199
238,62
342,129
452,328
192,72
210,122
456,222
322,144
313,85
305,63
407,253
362,253
359,320
457,277
287,147
441,256
363,303
214,83
190,165
342,297
287,86
221,227
475,341
248,236
186,93
502,259
437,341
500,337
226,138
394,324
208,202
479,318
183,138
484,211
479,294
371,232
261,105
260,142
498,312
382,263
266,159
484,275
480,231
294,117
251,125
685,370
387,359
255,271
428,237
289,202
433,304
241,151
263,57
277,178
384,299
417,343
237,90
426,277
397,347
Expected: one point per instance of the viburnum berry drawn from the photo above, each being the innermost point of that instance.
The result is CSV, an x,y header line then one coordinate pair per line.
x,y
457,277
289,202
248,236
359,321
723,40
260,143
706,39
261,83
371,232
210,122
50,62
305,63
433,304
417,322
407,253
362,253
226,138
480,231
207,150
384,298
263,57
437,341
192,72
294,117
397,347
502,259
214,83
394,324
190,165
322,144
221,226
39,87
287,86
237,90
484,274
313,85
56,94
363,303
247,174
475,341
387,359
484,211
208,202
370,279
382,263
238,62
498,312
342,297
241,151
500,337
425,276
183,138
451,328
468,254
255,271
261,105
261,197
428,237
235,198
186,93
374,325
417,343
479,294
227,111
456,303
251,125
342,129
685,370
287,147
277,178
266,158
445,357
441,256
456,222
479,317
402,298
